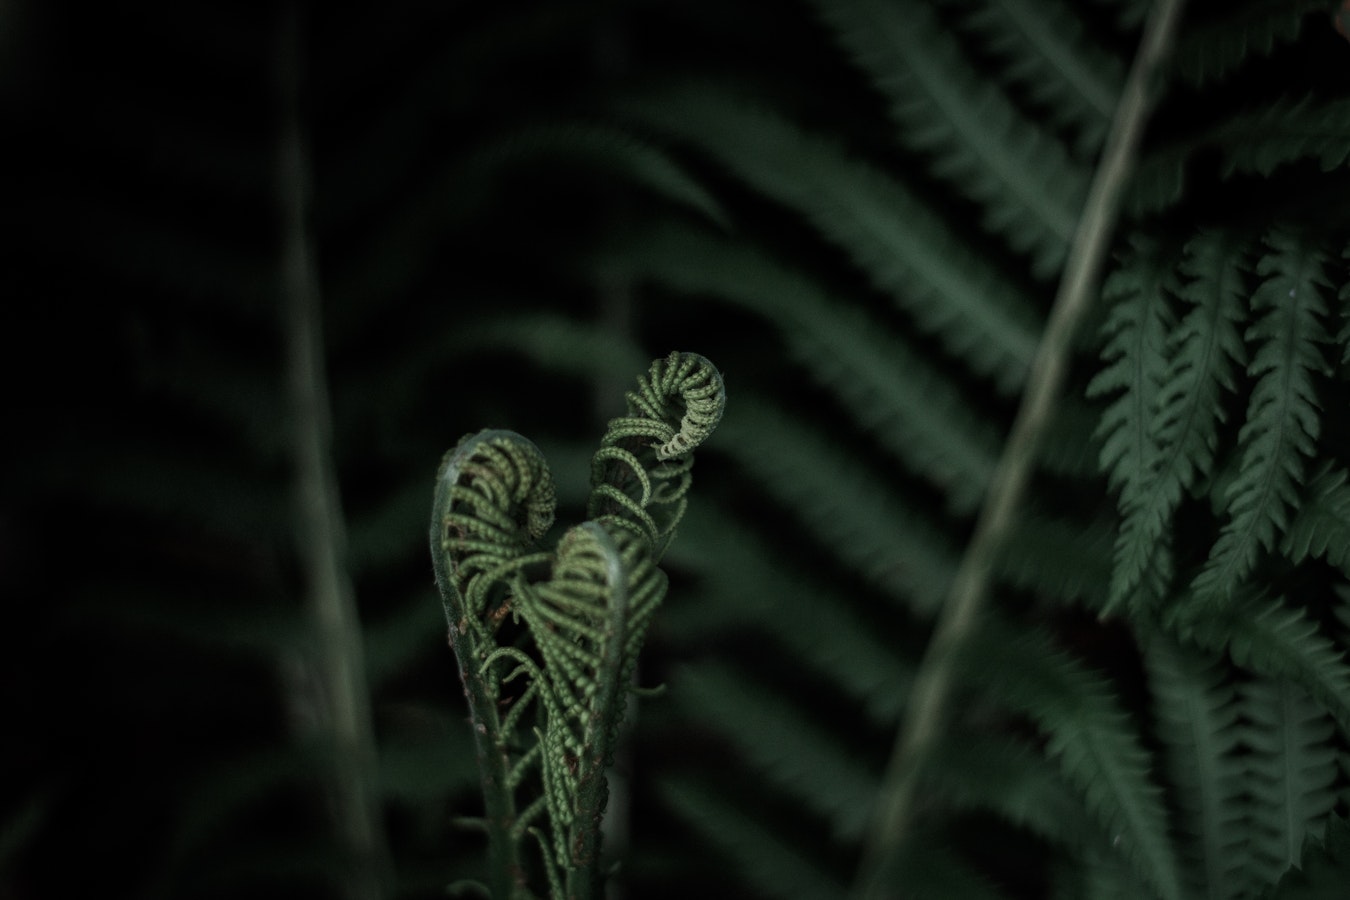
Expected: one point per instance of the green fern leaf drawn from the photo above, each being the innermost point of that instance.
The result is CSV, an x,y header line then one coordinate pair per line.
x,y
1322,527
1323,869
1277,641
798,754
1204,350
868,529
906,250
1291,768
1282,418
1137,356
1286,132
1092,737
1029,188
888,388
1246,30
1198,722
1046,53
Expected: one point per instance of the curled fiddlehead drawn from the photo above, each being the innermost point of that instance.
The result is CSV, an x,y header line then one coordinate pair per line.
x,y
642,471
585,610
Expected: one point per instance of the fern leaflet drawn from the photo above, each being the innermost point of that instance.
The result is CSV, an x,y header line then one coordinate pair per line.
x,y
1282,418
1136,353
1030,189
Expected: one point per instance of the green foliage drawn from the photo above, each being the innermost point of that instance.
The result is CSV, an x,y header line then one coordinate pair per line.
x,y
862,211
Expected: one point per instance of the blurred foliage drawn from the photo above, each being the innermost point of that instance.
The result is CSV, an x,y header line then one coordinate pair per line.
x,y
514,207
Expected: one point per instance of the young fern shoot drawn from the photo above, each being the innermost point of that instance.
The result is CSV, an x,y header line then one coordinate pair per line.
x,y
543,747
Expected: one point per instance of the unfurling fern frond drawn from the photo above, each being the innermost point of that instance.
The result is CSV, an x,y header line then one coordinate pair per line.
x,y
1283,422
643,469
909,406
1137,360
1029,188
585,608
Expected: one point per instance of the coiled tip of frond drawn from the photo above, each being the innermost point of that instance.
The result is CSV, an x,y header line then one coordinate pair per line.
x,y
697,384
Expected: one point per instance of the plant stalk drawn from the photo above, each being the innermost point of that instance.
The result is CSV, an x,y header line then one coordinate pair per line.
x,y
321,534
924,719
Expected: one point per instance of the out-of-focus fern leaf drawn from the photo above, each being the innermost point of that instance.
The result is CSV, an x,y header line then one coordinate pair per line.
x,y
869,530
1291,768
1203,352
1287,132
1060,560
1322,525
1323,867
1093,739
888,387
1136,354
1029,188
800,755
1046,52
905,249
743,587
774,867
1282,417
1198,723
1011,779
1243,31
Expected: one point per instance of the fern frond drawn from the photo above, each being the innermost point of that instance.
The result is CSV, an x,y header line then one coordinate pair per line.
x,y
1136,353
886,385
1009,778
1323,868
804,758
868,529
1321,529
776,868
1291,767
1060,560
1282,417
1246,30
1197,715
1276,641
1285,132
1029,188
1046,53
908,251
1203,352
743,586
1093,738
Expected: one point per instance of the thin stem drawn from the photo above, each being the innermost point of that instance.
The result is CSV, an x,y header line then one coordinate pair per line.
x,y
321,533
924,717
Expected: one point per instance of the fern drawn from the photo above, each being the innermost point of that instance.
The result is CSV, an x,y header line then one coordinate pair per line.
x,y
1282,422
1198,718
1139,324
1291,771
974,137
904,247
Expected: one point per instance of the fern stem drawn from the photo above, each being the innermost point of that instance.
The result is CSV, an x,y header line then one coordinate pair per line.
x,y
922,725
321,534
